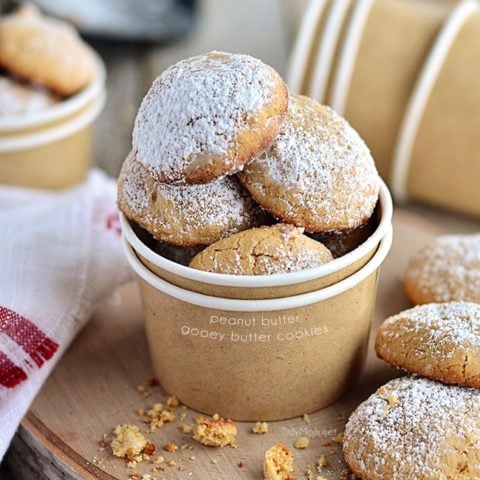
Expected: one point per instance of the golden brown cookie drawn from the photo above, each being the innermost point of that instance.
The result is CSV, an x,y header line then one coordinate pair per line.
x,y
207,116
279,248
187,216
440,341
44,51
278,463
18,98
448,269
415,429
318,173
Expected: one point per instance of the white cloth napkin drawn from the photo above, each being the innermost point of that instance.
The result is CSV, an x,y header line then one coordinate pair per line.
x,y
60,253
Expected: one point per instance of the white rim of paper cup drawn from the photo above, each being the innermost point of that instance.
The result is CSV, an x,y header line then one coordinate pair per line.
x,y
349,54
56,132
421,94
322,66
303,45
286,303
251,281
64,108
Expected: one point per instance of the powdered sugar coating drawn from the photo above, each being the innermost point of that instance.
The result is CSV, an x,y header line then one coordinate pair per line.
x,y
207,116
20,99
263,251
185,215
445,270
317,174
415,429
438,340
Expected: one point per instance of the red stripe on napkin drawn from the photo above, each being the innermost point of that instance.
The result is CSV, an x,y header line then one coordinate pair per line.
x,y
27,335
10,374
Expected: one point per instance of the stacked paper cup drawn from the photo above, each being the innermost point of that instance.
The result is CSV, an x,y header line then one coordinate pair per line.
x,y
405,74
269,347
52,148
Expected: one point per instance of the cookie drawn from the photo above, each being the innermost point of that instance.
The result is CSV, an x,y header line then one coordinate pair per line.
x,y
207,116
341,243
263,251
318,174
186,216
44,51
278,463
415,429
17,98
438,340
448,269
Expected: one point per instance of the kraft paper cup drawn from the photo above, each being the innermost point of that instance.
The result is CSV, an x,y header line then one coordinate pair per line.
x,y
259,359
405,75
52,148
265,286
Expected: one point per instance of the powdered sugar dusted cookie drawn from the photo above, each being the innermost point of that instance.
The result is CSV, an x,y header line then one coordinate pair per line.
x,y
318,173
187,216
18,98
44,51
415,429
438,340
263,251
207,116
447,269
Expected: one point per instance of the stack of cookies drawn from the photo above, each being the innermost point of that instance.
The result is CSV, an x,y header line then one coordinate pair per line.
x,y
427,426
222,152
42,61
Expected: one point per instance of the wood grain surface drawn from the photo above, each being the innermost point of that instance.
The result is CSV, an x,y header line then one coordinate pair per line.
x,y
94,388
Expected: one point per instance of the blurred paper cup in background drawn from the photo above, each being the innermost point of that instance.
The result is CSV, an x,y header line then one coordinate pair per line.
x,y
52,148
405,74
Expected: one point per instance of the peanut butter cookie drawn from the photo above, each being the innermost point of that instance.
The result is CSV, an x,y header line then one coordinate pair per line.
x,y
263,251
415,429
45,51
438,340
448,269
318,173
208,116
186,216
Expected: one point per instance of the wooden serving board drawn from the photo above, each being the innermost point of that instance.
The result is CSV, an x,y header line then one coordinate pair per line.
x,y
94,388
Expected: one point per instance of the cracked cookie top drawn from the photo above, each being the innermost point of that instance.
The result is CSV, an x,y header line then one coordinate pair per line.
x,y
207,116
279,248
186,216
447,269
439,340
317,174
413,428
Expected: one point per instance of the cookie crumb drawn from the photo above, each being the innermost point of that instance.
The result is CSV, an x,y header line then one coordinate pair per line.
x,y
306,418
216,432
302,442
322,463
339,438
170,447
128,441
278,463
260,427
173,402
186,428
